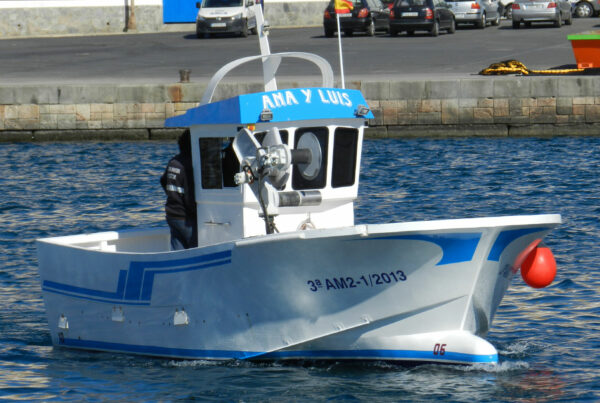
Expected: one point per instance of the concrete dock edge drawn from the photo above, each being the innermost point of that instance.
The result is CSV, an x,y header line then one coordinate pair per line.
x,y
473,106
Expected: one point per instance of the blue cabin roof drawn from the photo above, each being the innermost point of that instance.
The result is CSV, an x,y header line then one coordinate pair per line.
x,y
286,105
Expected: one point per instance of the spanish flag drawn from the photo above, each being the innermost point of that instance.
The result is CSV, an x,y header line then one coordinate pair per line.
x,y
343,6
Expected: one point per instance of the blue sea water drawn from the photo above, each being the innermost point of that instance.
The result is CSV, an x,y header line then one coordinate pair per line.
x,y
548,340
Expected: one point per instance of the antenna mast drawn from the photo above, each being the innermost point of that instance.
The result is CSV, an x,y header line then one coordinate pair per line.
x,y
337,15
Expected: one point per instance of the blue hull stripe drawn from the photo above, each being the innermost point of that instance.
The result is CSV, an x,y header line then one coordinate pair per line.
x,y
456,248
405,355
137,271
506,237
156,350
70,289
148,281
134,286
108,301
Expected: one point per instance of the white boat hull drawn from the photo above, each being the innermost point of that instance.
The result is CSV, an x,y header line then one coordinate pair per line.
x,y
422,291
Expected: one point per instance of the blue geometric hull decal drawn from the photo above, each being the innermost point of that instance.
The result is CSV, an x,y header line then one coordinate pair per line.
x,y
134,286
506,237
97,294
456,248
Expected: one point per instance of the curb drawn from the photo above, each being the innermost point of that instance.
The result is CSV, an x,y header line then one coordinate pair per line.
x,y
374,133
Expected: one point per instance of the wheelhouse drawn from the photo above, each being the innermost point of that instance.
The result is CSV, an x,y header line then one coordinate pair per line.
x,y
333,123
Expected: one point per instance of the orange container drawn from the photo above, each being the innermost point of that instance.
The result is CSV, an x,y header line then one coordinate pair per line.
x,y
586,48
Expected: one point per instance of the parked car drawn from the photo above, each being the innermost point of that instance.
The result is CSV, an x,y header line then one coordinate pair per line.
x,y
585,8
219,16
477,12
368,16
528,11
421,15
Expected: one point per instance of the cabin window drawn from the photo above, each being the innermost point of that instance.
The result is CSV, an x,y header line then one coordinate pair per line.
x,y
317,180
218,162
345,145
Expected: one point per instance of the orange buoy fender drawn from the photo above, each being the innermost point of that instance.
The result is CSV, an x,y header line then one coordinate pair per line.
x,y
539,267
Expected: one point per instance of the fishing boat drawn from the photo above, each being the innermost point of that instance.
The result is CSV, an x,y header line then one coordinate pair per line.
x,y
282,271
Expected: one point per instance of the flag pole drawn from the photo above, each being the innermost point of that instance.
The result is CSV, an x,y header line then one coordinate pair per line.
x,y
337,15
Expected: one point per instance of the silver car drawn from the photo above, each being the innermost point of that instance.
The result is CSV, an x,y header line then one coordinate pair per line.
x,y
478,12
528,11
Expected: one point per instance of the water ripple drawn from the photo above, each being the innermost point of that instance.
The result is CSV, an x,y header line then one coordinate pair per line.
x,y
548,340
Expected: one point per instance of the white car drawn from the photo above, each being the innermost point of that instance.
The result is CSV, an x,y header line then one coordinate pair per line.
x,y
217,16
528,11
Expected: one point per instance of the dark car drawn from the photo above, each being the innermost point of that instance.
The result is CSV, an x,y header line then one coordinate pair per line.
x,y
367,16
421,15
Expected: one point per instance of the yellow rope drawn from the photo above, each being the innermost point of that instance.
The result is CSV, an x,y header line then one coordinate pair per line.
x,y
516,67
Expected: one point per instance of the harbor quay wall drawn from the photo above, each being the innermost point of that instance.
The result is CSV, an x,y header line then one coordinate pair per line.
x,y
479,106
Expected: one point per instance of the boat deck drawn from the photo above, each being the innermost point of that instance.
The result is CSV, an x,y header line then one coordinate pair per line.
x,y
148,240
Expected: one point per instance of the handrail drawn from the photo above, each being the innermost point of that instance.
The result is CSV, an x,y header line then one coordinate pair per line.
x,y
275,60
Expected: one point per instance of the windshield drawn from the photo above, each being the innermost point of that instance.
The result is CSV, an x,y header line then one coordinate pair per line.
x,y
408,3
222,3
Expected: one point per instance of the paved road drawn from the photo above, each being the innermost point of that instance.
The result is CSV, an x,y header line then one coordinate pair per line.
x,y
132,58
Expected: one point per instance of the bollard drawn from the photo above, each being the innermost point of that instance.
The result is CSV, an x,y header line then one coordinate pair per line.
x,y
184,76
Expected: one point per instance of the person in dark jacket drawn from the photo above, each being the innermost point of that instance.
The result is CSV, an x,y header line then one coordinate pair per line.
x,y
180,208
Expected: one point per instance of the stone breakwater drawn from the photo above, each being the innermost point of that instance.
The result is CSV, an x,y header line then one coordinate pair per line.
x,y
478,106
